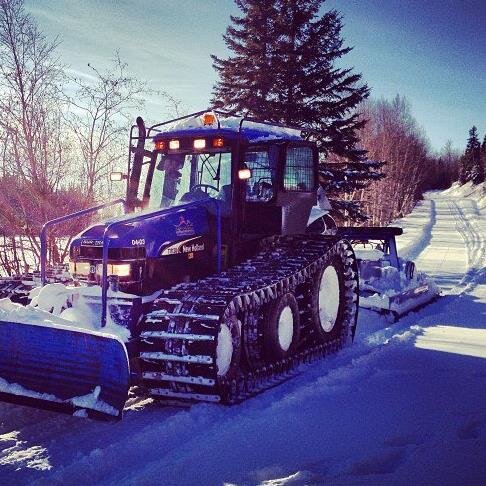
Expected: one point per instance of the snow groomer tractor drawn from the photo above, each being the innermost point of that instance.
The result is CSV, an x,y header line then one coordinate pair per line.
x,y
212,287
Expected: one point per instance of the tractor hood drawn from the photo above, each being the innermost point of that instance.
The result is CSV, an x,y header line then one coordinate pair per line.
x,y
152,234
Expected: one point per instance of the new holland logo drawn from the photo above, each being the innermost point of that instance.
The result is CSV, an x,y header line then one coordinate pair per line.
x,y
184,227
185,246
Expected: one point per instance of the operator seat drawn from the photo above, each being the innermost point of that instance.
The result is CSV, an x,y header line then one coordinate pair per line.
x,y
192,196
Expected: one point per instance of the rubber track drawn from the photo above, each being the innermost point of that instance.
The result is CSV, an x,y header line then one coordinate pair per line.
x,y
186,319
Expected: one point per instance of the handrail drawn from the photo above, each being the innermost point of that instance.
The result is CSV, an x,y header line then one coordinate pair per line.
x,y
141,217
53,222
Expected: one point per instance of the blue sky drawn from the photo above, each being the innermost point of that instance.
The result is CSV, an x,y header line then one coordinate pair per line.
x,y
433,52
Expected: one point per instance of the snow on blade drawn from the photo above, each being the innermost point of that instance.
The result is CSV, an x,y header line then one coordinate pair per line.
x,y
90,401
93,402
16,389
46,310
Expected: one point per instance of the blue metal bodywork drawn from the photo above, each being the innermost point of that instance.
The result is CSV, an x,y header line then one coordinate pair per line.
x,y
251,134
51,367
155,228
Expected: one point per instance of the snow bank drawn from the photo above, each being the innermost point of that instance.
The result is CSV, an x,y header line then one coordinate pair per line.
x,y
451,339
467,190
417,229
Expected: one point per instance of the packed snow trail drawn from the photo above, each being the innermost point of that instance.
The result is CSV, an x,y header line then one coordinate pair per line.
x,y
404,404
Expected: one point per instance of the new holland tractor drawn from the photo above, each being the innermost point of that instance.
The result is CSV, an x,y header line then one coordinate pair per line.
x,y
215,284
209,288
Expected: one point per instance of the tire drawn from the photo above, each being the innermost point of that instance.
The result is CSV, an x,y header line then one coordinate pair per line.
x,y
334,295
228,348
281,329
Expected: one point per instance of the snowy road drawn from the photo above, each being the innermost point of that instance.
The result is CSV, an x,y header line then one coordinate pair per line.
x,y
404,405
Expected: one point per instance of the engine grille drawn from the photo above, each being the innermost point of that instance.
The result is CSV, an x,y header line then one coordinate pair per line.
x,y
96,252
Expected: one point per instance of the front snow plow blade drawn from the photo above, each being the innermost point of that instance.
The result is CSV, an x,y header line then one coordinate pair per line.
x,y
65,370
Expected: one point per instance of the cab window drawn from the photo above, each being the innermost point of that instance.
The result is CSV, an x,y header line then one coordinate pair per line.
x,y
143,180
262,164
183,178
299,169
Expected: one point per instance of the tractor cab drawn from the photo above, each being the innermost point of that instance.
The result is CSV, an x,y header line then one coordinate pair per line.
x,y
261,179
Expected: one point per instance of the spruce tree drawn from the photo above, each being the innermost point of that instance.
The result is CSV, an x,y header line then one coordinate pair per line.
x,y
344,179
471,169
483,159
283,69
246,81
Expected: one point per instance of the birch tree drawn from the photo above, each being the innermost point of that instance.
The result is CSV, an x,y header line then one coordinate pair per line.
x,y
392,135
102,107
35,156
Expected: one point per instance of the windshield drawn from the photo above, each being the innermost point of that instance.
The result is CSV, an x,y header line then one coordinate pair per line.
x,y
183,178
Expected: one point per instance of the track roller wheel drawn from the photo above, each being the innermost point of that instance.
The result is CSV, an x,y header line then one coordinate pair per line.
x,y
329,304
228,348
281,328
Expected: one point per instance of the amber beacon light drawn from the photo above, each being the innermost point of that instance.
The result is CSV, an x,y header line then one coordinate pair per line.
x,y
209,119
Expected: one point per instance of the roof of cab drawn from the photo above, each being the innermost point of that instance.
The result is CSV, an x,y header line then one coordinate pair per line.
x,y
229,126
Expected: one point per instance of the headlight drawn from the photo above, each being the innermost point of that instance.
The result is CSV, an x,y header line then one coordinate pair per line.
x,y
79,268
119,269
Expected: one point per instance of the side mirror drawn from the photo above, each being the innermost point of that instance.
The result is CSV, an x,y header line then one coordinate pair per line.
x,y
117,176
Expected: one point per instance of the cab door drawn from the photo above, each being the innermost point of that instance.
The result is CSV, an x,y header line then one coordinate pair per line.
x,y
262,216
299,186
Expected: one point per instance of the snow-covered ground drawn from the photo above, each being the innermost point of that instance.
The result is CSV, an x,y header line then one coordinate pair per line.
x,y
406,404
